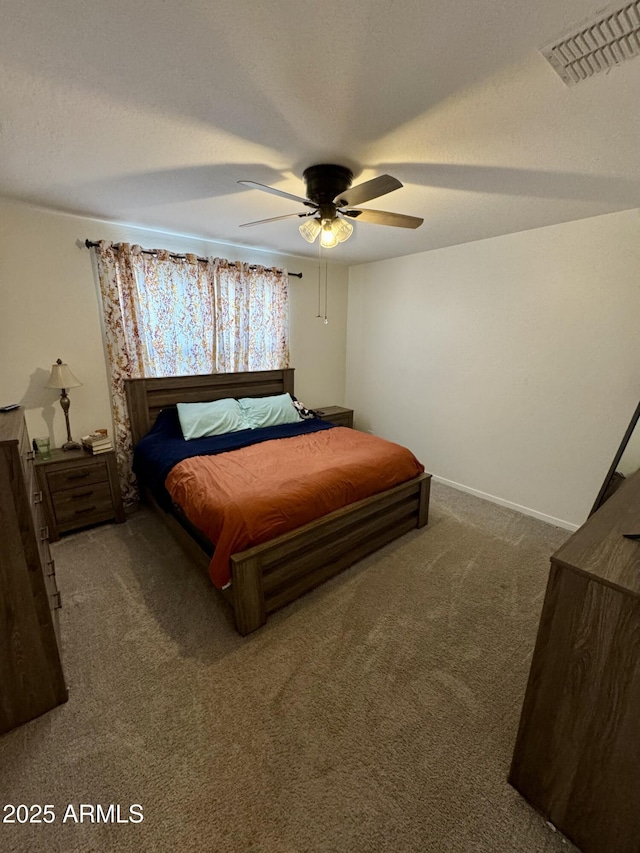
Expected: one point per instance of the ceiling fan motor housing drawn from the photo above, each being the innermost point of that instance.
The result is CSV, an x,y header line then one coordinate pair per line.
x,y
326,182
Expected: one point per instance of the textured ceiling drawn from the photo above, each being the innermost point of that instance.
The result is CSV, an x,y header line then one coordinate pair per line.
x,y
149,113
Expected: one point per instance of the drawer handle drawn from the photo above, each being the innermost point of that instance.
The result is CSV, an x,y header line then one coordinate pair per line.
x,y
37,497
82,495
31,455
78,476
44,533
86,509
51,565
57,601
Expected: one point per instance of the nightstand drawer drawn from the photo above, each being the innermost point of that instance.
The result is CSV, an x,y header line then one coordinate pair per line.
x,y
79,475
83,504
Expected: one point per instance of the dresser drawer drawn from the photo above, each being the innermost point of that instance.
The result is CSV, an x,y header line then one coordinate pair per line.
x,y
79,475
27,456
48,566
41,530
36,497
50,580
84,504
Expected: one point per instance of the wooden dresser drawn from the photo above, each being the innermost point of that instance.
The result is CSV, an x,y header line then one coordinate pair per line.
x,y
31,677
577,754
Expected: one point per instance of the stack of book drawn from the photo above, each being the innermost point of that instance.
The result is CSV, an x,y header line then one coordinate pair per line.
x,y
97,442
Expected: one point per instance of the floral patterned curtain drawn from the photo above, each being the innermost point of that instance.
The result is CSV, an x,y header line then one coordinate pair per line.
x,y
174,304
167,315
251,317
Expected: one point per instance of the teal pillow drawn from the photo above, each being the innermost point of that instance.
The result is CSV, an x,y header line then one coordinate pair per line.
x,y
269,411
198,420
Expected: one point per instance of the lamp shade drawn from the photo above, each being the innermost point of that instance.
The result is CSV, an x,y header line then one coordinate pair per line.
x,y
342,229
310,229
62,377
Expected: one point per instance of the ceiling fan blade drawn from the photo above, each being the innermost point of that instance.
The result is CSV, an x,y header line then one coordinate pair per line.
x,y
276,218
254,186
383,217
369,189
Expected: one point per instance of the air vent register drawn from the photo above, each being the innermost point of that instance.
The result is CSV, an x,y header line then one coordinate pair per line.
x,y
608,39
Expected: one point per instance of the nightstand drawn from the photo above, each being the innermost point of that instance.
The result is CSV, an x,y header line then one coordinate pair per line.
x,y
79,489
336,414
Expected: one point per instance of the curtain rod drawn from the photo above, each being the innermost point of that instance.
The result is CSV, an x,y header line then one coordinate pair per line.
x,y
90,243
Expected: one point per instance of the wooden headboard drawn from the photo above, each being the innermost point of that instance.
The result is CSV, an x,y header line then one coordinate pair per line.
x,y
146,397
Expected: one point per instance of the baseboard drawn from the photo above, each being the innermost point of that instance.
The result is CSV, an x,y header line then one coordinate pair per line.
x,y
525,510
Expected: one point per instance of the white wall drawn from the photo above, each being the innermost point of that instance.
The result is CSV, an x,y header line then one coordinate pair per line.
x,y
49,308
510,366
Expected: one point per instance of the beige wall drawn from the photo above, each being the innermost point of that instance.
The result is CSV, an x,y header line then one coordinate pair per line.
x,y
511,366
49,308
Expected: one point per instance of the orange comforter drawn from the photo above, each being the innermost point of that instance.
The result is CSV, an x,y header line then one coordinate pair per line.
x,y
245,497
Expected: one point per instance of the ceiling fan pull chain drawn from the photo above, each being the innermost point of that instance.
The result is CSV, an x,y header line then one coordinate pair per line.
x,y
326,289
319,315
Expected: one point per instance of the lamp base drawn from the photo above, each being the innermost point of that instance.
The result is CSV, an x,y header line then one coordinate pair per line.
x,y
71,445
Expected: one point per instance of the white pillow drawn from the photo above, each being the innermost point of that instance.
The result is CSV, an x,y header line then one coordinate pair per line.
x,y
198,420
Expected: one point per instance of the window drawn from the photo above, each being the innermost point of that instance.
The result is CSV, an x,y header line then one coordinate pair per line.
x,y
175,315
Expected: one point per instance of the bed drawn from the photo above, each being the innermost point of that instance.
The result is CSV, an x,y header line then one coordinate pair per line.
x,y
267,576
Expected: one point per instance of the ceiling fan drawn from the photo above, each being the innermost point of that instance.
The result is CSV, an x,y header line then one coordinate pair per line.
x,y
330,198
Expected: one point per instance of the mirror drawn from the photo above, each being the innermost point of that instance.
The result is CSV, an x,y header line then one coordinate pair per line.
x,y
625,462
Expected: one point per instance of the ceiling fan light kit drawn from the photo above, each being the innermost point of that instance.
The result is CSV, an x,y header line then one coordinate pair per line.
x,y
342,229
310,229
331,232
328,239
331,198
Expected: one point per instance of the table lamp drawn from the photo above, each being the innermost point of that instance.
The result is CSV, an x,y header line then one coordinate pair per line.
x,y
62,378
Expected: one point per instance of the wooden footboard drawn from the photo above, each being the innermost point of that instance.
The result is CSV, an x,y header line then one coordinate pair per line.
x,y
271,575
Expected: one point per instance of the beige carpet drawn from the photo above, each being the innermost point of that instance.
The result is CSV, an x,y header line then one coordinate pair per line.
x,y
378,713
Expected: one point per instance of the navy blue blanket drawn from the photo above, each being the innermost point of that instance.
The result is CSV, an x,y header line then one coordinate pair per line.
x,y
164,446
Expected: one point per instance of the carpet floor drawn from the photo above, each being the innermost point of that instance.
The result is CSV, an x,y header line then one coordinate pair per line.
x,y
377,713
